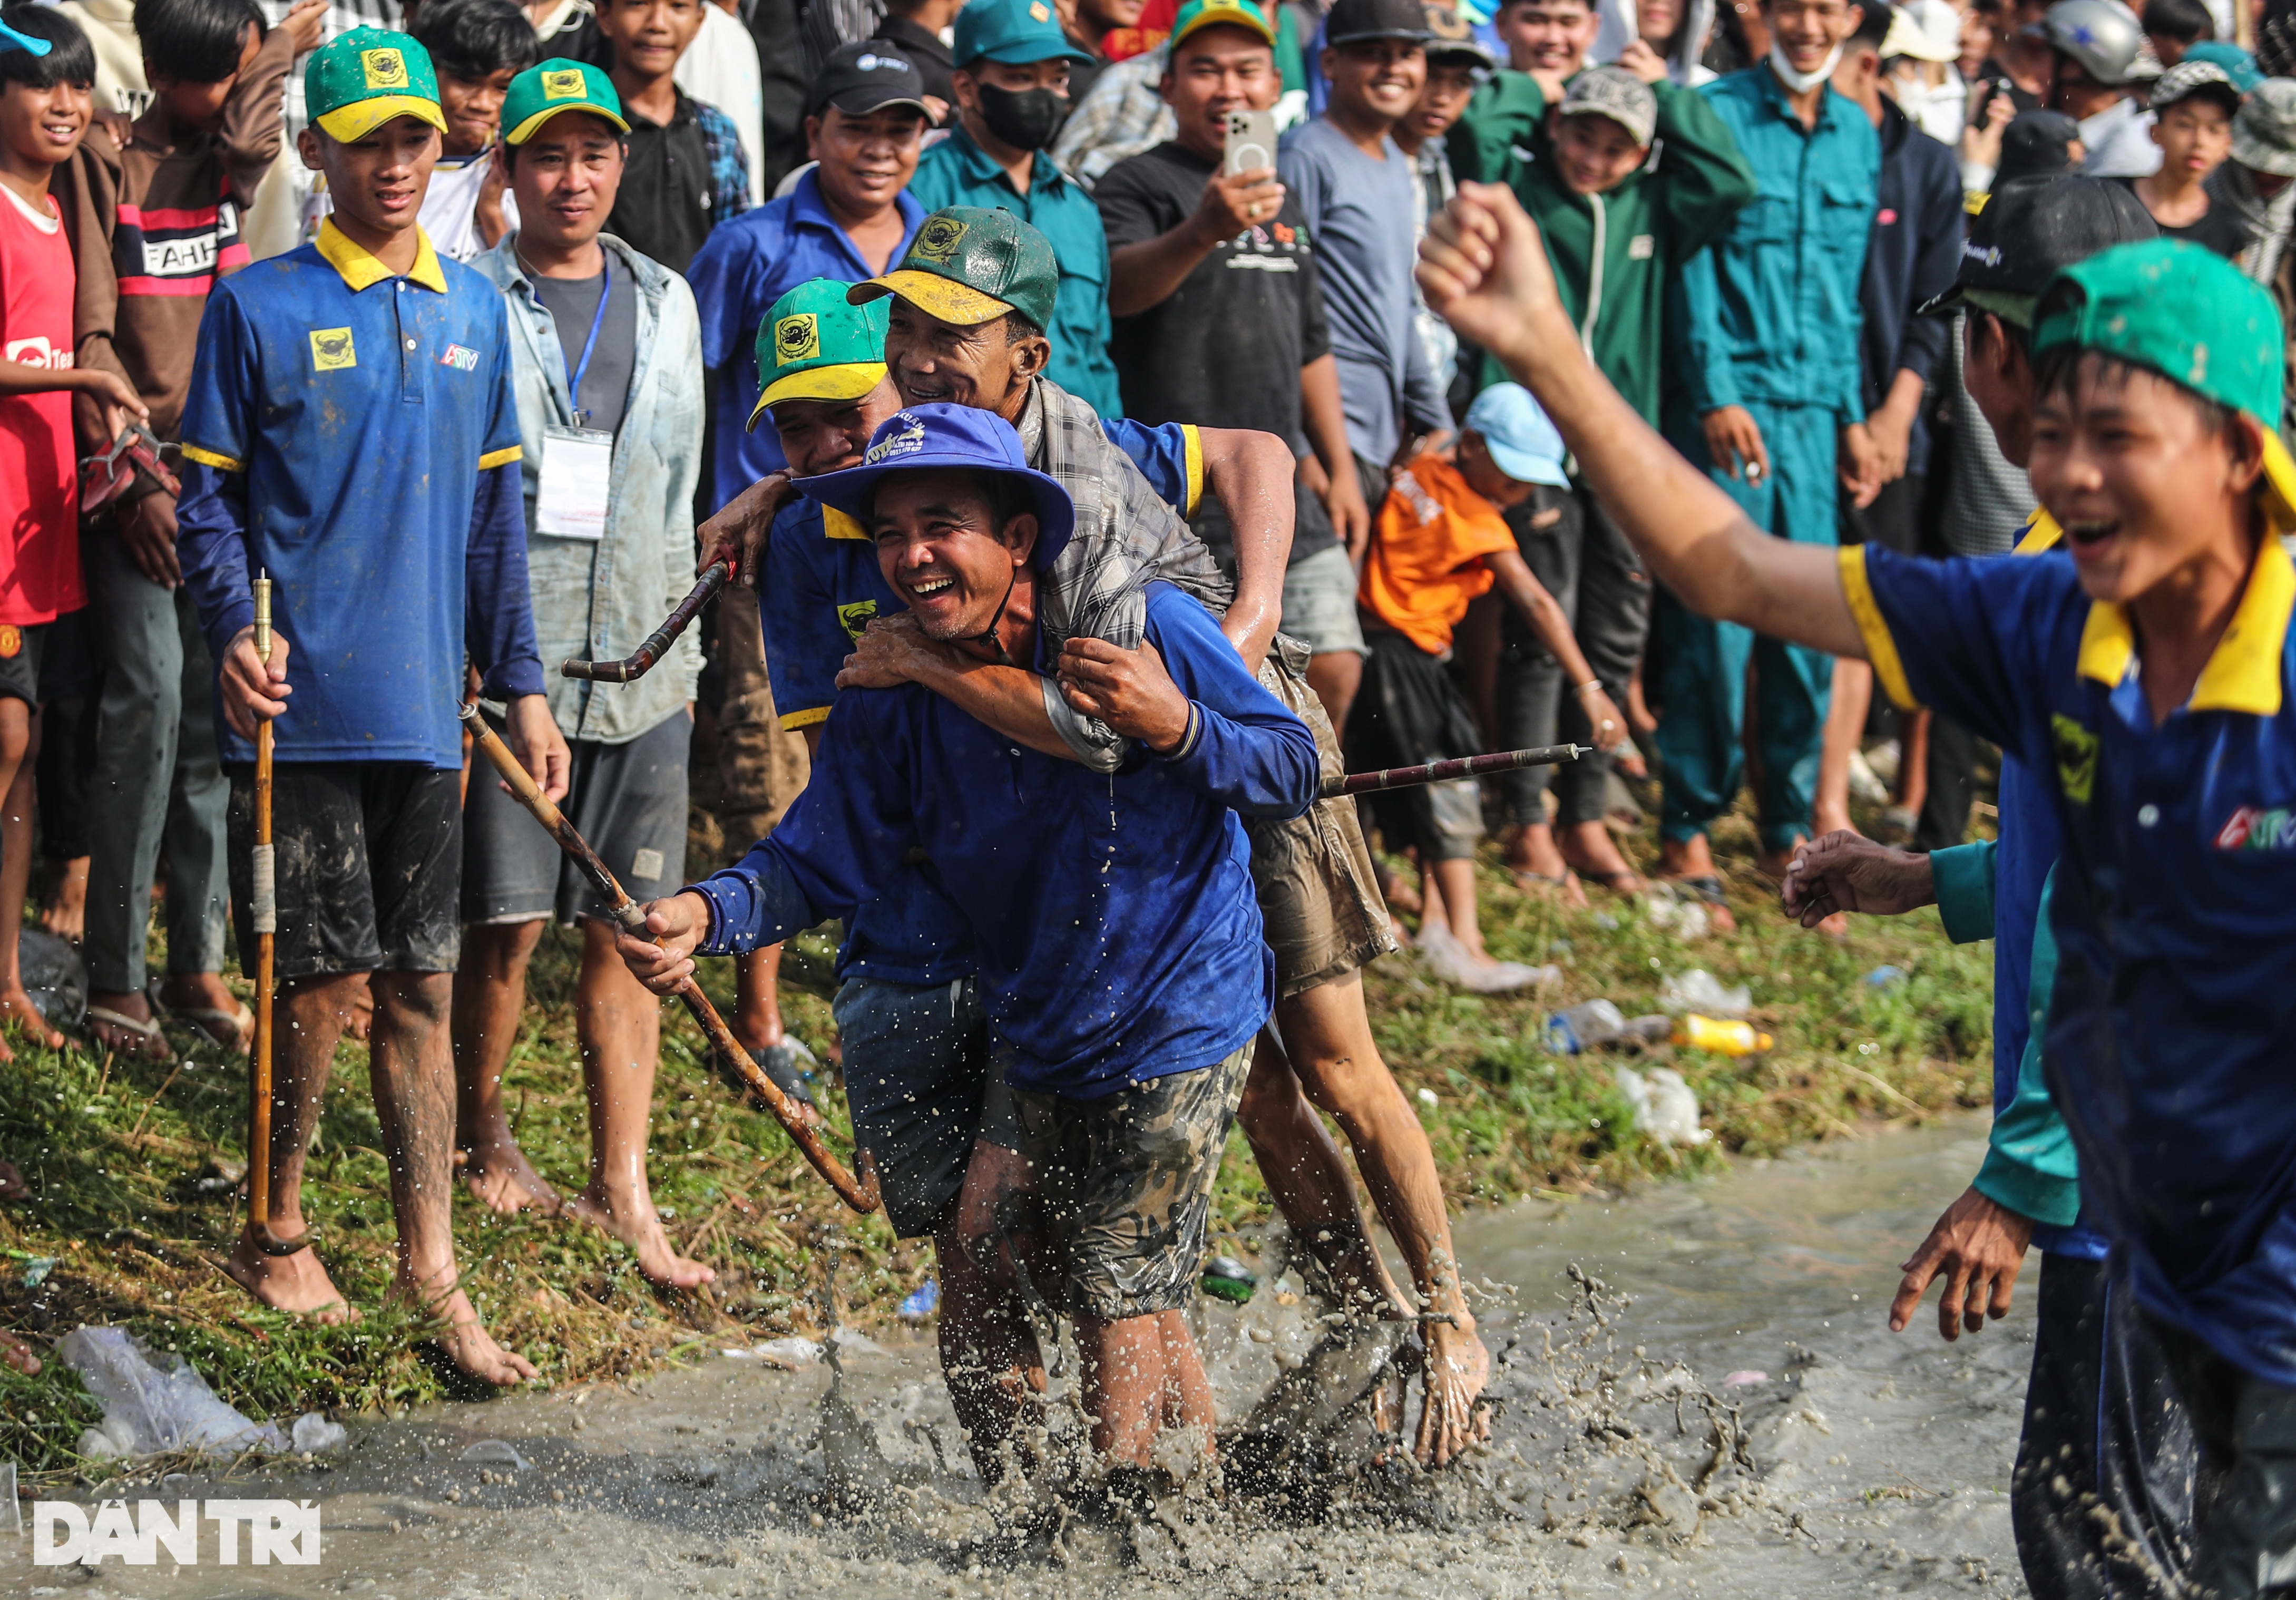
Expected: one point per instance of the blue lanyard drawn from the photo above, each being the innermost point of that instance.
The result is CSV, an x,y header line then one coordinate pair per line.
x,y
597,321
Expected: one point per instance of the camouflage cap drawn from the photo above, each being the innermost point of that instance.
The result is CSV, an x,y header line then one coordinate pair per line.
x,y
970,265
1615,93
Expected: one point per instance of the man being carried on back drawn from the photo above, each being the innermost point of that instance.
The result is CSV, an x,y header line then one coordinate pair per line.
x,y
1125,982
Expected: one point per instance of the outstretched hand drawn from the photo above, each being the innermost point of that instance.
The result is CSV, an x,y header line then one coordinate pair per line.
x,y
1978,1247
1483,269
664,959
1847,872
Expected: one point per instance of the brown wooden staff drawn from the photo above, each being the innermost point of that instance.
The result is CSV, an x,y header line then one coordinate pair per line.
x,y
1443,772
862,1196
266,918
656,644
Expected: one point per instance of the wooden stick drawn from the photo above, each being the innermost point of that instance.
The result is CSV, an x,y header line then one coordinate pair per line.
x,y
1442,772
657,643
265,917
863,1195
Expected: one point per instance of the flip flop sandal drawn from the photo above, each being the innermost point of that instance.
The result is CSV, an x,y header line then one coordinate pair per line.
x,y
1708,889
146,1032
224,1029
1527,880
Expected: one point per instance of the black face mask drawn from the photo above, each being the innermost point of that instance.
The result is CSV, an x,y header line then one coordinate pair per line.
x,y
1024,118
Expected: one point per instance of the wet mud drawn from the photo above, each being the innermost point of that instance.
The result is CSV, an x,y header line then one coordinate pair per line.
x,y
1696,1394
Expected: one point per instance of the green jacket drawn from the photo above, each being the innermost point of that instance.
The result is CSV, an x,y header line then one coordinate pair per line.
x,y
1612,253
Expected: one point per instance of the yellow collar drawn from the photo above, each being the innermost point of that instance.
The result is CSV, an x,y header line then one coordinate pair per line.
x,y
2041,533
2243,673
361,270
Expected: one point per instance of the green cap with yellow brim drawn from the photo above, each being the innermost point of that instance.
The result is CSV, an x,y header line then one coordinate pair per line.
x,y
555,86
816,345
365,79
1199,14
969,265
2189,315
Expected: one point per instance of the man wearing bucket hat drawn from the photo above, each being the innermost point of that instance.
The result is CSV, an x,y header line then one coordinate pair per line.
x,y
2259,179
351,433
2145,683
605,356
1123,989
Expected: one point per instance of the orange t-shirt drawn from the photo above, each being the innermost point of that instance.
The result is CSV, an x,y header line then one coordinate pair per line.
x,y
1426,557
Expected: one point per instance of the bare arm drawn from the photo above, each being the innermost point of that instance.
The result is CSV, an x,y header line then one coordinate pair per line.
x,y
1540,609
893,649
1149,272
1484,268
1250,471
1327,436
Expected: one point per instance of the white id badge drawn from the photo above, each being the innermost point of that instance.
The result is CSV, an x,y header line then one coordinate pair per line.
x,y
576,472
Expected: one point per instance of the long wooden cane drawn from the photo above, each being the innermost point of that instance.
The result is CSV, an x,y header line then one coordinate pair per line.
x,y
1443,772
656,644
863,1195
266,918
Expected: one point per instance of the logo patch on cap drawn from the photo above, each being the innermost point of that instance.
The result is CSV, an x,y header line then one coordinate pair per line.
x,y
562,85
881,63
908,442
332,350
1038,12
797,338
384,68
938,240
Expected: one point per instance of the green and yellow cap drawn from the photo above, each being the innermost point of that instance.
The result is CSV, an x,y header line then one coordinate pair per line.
x,y
366,77
969,265
1199,14
542,92
816,345
2189,315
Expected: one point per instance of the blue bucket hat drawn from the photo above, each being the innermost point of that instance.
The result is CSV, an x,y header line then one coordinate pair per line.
x,y
1521,438
941,436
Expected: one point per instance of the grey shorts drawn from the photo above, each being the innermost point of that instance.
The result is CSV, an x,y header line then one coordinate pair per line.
x,y
1319,900
627,801
916,1076
1126,1185
1319,602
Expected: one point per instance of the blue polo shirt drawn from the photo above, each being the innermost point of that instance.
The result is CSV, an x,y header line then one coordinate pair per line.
x,y
821,587
747,265
1119,931
2167,1042
1770,309
353,434
957,172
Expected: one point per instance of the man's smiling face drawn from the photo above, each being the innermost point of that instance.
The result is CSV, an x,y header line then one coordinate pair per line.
x,y
950,544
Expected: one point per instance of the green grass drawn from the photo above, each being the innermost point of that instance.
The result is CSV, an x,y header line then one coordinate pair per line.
x,y
114,1152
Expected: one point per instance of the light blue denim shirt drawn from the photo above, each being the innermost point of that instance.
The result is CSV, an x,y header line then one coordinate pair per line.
x,y
600,598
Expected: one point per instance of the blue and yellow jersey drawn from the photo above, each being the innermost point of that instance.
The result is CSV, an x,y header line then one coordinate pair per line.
x,y
2174,908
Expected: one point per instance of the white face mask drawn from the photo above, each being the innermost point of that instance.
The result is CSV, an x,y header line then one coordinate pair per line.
x,y
1802,83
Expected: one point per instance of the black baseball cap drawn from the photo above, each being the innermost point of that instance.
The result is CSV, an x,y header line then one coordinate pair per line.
x,y
2033,228
867,76
1353,21
2036,144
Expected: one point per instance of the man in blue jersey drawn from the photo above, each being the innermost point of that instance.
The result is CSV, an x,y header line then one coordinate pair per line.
x,y
351,433
1118,934
2145,684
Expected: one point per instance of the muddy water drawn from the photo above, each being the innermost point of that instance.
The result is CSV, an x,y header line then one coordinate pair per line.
x,y
1625,1459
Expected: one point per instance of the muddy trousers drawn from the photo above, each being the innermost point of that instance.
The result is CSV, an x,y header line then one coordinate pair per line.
x,y
1701,664
2245,1500
2101,1498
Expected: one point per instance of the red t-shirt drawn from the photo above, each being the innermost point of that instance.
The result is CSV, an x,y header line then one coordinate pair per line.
x,y
39,483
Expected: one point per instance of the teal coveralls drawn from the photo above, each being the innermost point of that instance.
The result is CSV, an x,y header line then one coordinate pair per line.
x,y
1766,317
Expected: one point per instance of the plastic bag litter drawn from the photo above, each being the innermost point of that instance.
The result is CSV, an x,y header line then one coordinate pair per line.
x,y
497,1452
149,1408
852,1341
1684,919
788,1354
1665,1108
1447,959
920,1303
54,976
1885,977
1584,1026
1701,991
315,1435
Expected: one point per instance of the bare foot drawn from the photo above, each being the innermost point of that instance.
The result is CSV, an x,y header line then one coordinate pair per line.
x,y
14,1352
1690,863
17,1006
504,1181
127,1041
635,1224
64,908
470,1347
297,1283
1458,1368
1594,855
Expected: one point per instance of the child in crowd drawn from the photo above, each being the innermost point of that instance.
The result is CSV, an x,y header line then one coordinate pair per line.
x,y
2194,103
45,105
477,46
1440,542
687,172
159,221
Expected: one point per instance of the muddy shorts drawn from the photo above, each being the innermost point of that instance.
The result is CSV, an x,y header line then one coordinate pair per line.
x,y
20,649
2244,1493
1125,1184
628,800
369,860
916,1076
1319,902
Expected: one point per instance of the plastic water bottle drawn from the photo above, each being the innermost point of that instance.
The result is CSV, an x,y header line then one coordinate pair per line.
x,y
1584,1026
1724,1038
1229,1279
